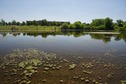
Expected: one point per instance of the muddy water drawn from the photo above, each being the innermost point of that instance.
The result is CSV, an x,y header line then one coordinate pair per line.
x,y
99,57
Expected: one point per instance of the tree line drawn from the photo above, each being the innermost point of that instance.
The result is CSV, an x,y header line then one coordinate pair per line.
x,y
43,22
96,24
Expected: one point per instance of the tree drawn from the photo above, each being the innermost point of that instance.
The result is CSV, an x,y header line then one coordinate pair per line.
x,y
9,23
77,24
44,22
64,26
29,23
0,23
35,23
124,25
119,23
97,22
59,23
71,26
18,23
23,23
108,24
14,22
54,23
6,23
3,22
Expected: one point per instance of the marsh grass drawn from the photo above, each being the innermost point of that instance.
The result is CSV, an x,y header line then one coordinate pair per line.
x,y
31,28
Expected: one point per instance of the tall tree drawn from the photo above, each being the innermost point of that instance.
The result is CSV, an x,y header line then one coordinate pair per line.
x,y
119,23
44,22
64,26
97,22
23,23
0,23
18,23
77,24
3,22
9,23
14,22
29,23
35,23
108,24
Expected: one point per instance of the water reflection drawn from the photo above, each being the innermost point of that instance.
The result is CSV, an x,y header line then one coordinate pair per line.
x,y
100,56
97,36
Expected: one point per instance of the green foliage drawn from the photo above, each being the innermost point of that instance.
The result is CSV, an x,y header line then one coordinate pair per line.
x,y
14,22
124,25
29,23
71,26
123,81
78,25
29,67
119,23
24,64
96,24
18,23
9,23
108,24
102,24
23,23
44,22
35,23
58,24
65,26
3,22
116,28
53,23
0,23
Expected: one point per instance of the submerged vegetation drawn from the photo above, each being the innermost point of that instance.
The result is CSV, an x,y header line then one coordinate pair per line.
x,y
96,24
25,62
31,66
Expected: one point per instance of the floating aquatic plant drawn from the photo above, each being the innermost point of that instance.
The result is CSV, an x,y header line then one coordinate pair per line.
x,y
123,81
27,61
87,65
29,67
110,76
87,72
22,64
72,66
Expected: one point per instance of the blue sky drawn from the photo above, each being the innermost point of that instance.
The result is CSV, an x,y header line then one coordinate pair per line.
x,y
62,10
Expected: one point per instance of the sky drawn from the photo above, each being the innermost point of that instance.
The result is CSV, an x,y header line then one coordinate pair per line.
x,y
62,10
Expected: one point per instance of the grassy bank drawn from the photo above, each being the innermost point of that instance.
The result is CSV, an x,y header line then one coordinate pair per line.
x,y
30,28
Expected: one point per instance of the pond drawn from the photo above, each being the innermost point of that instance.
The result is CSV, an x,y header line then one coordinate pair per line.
x,y
81,57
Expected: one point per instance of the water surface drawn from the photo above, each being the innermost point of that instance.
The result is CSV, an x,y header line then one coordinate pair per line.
x,y
64,42
92,47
